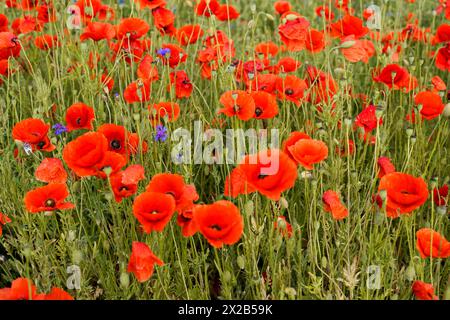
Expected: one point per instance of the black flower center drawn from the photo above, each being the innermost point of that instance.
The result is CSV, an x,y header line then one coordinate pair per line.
x,y
50,203
115,144
258,111
216,227
289,92
41,144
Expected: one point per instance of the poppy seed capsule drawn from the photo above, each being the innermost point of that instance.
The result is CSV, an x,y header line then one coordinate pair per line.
x,y
124,280
409,132
446,111
442,210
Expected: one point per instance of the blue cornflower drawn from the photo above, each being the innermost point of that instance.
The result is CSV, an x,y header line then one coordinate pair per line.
x,y
163,51
161,133
59,128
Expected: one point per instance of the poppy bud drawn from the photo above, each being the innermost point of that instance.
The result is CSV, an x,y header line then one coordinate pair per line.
x,y
291,293
442,210
270,17
347,44
226,277
241,262
77,256
409,132
27,252
124,280
382,194
446,111
410,273
291,17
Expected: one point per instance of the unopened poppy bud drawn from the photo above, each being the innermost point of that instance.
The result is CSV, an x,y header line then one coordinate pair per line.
x,y
124,280
410,273
136,117
409,132
226,277
241,262
446,111
290,292
291,17
348,121
281,223
284,203
253,7
347,44
270,17
77,256
383,194
379,110
442,210
27,252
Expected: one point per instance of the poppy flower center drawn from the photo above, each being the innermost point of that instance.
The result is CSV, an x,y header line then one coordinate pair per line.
x,y
154,212
216,227
289,92
115,144
78,121
262,176
236,108
258,111
123,188
41,144
50,203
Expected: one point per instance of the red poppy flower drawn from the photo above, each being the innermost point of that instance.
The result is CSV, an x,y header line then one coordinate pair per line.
x,y
268,172
294,33
3,220
355,50
438,83
315,41
347,147
322,86
282,7
396,77
325,12
186,221
107,83
348,25
189,34
125,183
182,84
138,91
164,20
288,64
159,111
46,42
423,291
153,210
367,120
98,31
292,140
404,192
265,105
206,7
55,294
136,145
79,116
432,105
83,154
267,49
440,195
432,244
132,29
308,152
4,23
130,51
385,165
333,204
174,185
176,55
116,136
264,82
21,289
147,70
220,223
226,13
112,163
142,261
51,170
48,198
34,132
291,88
151,4
442,34
283,226
239,103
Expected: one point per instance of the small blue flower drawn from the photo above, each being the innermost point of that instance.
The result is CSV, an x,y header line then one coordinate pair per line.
x,y
161,133
163,51
27,148
59,129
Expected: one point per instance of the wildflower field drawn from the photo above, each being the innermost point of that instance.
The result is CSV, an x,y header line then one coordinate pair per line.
x,y
224,149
